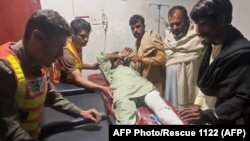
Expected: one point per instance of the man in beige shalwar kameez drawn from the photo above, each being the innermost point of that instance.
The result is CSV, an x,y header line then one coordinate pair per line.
x,y
149,57
183,51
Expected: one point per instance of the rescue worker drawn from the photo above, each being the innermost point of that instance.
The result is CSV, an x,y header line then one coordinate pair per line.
x,y
25,84
68,68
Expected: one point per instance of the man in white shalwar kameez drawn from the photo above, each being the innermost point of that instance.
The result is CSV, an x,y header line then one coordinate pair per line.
x,y
183,50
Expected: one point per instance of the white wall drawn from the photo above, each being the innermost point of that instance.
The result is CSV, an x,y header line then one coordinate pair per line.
x,y
119,11
241,19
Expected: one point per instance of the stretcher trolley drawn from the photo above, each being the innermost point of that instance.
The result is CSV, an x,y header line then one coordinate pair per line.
x,y
57,126
144,115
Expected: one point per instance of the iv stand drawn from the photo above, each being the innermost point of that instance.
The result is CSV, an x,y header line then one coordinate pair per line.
x,y
159,15
105,27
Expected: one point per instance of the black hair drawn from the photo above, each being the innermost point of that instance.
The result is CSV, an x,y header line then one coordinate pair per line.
x,y
178,7
135,18
79,24
47,21
212,10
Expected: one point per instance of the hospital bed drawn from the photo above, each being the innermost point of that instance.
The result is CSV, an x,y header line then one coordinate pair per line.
x,y
57,126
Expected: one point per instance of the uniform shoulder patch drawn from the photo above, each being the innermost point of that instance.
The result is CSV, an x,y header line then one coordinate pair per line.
x,y
5,67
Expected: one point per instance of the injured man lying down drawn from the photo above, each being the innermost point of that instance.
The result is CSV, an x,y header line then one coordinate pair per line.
x,y
130,90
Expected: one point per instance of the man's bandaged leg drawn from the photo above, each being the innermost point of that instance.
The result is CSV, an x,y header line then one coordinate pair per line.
x,y
164,112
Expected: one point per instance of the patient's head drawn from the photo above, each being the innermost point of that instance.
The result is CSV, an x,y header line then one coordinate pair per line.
x,y
117,61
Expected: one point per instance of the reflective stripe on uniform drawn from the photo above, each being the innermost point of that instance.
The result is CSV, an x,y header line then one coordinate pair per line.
x,y
27,103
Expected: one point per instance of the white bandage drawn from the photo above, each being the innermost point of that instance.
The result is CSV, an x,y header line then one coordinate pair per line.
x,y
164,112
